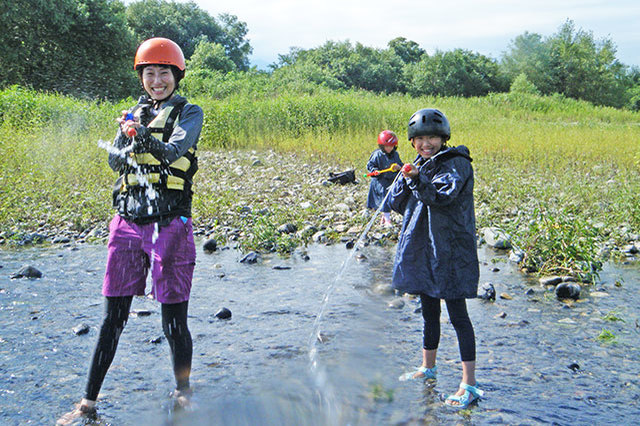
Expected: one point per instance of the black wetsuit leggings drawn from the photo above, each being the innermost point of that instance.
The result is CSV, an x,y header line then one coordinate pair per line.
x,y
459,317
174,325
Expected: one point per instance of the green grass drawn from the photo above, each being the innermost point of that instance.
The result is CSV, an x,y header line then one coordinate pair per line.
x,y
561,176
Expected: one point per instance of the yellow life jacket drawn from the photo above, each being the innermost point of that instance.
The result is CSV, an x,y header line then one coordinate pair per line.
x,y
147,170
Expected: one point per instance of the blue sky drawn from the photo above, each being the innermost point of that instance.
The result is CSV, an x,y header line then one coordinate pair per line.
x,y
485,26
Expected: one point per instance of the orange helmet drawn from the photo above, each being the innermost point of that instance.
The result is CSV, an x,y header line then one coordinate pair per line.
x,y
388,138
159,51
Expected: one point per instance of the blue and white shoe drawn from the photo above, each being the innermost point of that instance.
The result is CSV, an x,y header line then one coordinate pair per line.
x,y
471,394
421,373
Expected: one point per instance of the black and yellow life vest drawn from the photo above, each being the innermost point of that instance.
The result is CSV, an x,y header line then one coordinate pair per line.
x,y
147,170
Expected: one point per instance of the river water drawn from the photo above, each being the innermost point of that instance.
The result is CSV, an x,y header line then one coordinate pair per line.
x,y
539,359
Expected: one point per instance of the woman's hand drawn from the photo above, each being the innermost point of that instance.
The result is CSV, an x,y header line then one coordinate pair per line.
x,y
128,124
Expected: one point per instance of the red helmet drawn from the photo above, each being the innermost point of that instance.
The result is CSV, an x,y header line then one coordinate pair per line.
x,y
159,51
388,138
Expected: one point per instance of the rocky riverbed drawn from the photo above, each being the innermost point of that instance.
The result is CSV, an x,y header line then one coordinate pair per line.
x,y
270,201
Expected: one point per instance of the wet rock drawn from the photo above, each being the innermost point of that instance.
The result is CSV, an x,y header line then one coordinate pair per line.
x,y
630,249
487,292
80,329
61,240
210,246
501,315
516,255
496,238
223,314
550,281
322,338
287,228
319,237
156,340
34,238
573,366
361,257
495,269
281,267
251,257
140,313
396,304
529,292
383,289
350,244
568,290
256,163
27,272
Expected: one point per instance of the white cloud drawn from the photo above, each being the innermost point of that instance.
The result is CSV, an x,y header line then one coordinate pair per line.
x,y
484,26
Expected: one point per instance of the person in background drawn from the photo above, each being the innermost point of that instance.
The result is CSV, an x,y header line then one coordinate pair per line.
x,y
155,156
436,255
383,166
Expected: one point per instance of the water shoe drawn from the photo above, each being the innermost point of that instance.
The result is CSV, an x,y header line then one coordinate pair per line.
x,y
470,395
422,373
81,411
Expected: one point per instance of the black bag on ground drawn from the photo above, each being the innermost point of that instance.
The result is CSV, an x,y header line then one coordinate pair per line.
x,y
343,178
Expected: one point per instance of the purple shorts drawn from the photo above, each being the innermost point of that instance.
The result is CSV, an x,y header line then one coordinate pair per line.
x,y
133,249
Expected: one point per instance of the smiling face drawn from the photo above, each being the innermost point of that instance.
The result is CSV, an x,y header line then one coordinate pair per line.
x,y
158,81
427,146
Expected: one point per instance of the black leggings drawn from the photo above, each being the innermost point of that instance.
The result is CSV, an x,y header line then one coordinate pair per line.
x,y
174,325
459,317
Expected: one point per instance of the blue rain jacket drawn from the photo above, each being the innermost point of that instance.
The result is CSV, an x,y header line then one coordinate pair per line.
x,y
436,253
380,160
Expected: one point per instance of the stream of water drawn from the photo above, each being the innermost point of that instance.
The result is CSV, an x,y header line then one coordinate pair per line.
x,y
539,359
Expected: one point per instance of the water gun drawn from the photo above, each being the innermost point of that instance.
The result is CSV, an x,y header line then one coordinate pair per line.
x,y
377,172
132,131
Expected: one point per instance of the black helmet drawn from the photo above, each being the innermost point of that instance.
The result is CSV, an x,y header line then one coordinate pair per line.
x,y
427,122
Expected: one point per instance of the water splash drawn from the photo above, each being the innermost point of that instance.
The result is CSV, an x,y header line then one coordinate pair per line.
x,y
143,181
319,373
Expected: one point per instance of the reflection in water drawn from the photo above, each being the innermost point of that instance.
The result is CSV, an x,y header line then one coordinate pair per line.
x,y
538,359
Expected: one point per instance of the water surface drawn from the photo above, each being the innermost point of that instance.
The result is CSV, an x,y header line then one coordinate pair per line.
x,y
255,368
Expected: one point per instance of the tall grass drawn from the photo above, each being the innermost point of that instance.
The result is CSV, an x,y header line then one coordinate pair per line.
x,y
534,157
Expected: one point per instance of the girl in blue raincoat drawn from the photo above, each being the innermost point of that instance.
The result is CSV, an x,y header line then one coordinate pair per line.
x,y
436,256
383,166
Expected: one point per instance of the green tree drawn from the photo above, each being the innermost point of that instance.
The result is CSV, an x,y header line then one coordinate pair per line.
x,y
409,51
210,56
77,47
584,68
187,24
528,54
522,85
455,73
356,66
570,62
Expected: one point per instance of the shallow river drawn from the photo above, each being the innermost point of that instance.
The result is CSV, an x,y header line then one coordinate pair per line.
x,y
539,360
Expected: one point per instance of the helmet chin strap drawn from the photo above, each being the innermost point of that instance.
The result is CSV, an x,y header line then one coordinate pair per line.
x,y
157,102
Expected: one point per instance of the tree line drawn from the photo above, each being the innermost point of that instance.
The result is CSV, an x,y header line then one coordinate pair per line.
x,y
85,48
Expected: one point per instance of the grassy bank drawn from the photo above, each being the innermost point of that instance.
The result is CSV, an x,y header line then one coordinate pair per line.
x,y
559,175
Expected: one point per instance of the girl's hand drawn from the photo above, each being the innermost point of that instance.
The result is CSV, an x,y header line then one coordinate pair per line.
x,y
395,167
409,171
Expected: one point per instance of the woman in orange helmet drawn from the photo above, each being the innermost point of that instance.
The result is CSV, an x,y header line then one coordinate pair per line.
x,y
155,156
